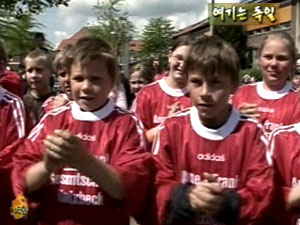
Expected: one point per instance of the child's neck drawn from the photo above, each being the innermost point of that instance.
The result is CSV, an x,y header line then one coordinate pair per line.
x,y
219,121
173,84
40,93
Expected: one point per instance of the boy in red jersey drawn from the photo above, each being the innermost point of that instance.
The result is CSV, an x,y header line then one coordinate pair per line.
x,y
273,101
212,166
85,162
162,98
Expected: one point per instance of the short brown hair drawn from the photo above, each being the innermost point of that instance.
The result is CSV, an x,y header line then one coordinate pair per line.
x,y
89,48
212,56
61,59
39,54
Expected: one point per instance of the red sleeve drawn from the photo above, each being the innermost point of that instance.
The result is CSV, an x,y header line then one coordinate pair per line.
x,y
165,179
12,82
279,150
143,108
29,153
256,182
134,166
237,98
14,122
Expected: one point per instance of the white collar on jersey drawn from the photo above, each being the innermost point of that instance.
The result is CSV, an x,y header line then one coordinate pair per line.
x,y
272,95
2,92
78,114
212,134
171,91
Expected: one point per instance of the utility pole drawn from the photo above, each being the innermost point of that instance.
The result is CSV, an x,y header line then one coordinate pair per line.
x,y
211,26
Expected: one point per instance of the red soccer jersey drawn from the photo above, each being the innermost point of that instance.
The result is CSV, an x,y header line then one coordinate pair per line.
x,y
185,149
47,106
153,100
285,149
276,108
12,118
12,82
110,134
12,128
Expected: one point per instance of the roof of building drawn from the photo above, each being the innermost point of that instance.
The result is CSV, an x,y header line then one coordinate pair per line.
x,y
193,27
83,32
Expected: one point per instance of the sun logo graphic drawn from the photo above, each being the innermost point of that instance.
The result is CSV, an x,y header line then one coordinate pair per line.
x,y
19,208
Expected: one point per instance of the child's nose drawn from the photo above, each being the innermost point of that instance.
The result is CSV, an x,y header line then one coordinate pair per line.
x,y
87,86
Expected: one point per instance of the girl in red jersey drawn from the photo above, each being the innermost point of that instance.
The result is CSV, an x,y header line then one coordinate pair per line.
x,y
164,97
273,101
140,76
212,166
84,162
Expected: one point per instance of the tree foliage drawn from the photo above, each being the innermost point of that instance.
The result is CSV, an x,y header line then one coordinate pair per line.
x,y
15,33
16,36
237,37
157,40
112,24
25,7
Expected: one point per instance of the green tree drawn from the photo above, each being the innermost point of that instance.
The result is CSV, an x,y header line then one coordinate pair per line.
x,y
21,7
112,24
237,37
16,35
157,40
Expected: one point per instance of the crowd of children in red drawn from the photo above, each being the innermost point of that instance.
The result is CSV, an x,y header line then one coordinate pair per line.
x,y
194,149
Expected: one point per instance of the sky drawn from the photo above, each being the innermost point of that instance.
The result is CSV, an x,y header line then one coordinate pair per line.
x,y
62,22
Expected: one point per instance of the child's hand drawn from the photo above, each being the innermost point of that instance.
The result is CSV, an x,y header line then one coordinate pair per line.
x,y
174,108
293,201
250,110
207,196
52,165
65,148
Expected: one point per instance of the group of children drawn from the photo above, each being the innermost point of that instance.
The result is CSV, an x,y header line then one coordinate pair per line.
x,y
184,155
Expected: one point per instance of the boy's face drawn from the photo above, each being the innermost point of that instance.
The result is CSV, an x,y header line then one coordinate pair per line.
x,y
64,81
210,96
176,62
90,84
37,74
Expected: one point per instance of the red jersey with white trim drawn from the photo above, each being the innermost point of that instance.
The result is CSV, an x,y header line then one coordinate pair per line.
x,y
12,129
285,149
152,103
276,108
47,106
12,118
110,134
184,149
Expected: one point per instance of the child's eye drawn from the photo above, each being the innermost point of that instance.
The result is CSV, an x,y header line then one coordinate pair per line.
x,y
78,79
195,81
268,57
282,58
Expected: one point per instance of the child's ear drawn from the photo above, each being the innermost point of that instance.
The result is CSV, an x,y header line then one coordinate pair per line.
x,y
169,57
